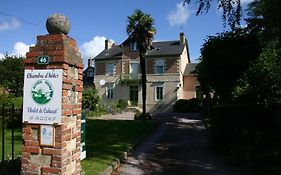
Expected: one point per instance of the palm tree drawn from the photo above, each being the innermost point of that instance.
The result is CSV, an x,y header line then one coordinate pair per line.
x,y
140,29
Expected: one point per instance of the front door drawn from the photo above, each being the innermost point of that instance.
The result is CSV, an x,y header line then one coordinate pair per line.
x,y
134,91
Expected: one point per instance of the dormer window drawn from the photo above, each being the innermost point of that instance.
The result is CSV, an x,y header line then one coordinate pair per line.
x,y
133,46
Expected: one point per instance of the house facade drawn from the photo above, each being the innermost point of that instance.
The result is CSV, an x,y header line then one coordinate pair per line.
x,y
88,75
118,75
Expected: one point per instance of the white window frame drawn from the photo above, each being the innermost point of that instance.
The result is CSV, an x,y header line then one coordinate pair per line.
x,y
109,91
112,72
159,63
155,92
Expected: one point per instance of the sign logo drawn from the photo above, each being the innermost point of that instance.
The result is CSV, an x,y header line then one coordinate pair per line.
x,y
42,91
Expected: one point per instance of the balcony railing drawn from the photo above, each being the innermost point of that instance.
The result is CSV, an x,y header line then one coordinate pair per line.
x,y
130,78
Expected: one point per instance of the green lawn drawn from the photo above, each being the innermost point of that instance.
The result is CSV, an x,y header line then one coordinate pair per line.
x,y
108,139
8,143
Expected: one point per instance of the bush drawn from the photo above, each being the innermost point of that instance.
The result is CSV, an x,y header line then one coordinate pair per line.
x,y
122,104
90,99
192,105
141,116
245,136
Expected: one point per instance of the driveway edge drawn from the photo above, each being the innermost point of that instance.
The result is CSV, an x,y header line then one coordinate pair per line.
x,y
115,164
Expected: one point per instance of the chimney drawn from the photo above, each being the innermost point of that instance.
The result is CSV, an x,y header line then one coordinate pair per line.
x,y
182,38
90,62
108,44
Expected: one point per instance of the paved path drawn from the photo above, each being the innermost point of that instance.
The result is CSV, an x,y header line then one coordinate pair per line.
x,y
178,146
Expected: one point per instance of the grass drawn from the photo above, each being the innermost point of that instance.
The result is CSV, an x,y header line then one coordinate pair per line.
x,y
108,139
8,143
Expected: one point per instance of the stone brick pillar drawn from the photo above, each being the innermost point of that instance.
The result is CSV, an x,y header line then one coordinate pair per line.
x,y
64,156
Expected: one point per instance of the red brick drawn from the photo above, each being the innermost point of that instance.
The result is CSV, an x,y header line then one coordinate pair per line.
x,y
67,112
56,164
66,137
79,88
29,60
51,170
56,53
31,168
66,86
68,80
51,151
26,130
26,136
57,157
60,145
31,143
25,161
31,149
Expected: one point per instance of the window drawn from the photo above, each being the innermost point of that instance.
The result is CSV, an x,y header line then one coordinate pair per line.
x,y
159,91
159,67
109,91
133,46
90,73
110,69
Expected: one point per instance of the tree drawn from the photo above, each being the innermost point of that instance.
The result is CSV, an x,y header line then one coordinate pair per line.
x,y
232,10
224,59
265,19
261,84
11,77
140,29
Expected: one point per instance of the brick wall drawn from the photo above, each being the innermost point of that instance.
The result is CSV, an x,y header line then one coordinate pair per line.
x,y
64,156
100,68
171,65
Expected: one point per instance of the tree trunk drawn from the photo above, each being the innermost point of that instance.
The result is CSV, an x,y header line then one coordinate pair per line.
x,y
143,80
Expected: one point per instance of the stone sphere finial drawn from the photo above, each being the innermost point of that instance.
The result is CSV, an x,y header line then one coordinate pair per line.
x,y
57,24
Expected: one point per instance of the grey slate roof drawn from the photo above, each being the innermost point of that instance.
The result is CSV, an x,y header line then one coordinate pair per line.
x,y
159,48
113,52
190,68
162,48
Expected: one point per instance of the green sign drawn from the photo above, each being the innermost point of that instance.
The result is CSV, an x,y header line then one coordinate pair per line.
x,y
43,59
83,137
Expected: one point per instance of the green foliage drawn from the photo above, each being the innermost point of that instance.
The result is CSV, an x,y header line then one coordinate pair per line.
x,y
231,10
224,59
192,105
265,19
11,77
245,136
90,99
261,84
122,104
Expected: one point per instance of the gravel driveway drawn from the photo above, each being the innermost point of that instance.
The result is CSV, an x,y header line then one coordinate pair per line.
x,y
178,146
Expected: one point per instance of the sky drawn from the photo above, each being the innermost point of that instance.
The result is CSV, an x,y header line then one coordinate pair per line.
x,y
93,21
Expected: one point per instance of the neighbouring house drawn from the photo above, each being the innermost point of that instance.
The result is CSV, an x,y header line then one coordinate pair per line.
x,y
88,75
191,87
169,74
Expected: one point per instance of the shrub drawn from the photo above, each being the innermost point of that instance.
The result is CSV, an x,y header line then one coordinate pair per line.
x,y
192,105
244,135
122,104
90,99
